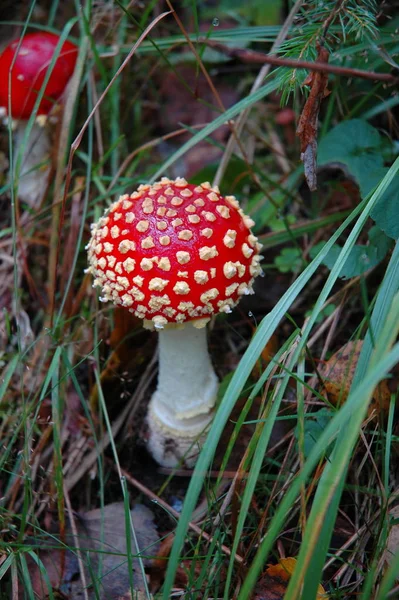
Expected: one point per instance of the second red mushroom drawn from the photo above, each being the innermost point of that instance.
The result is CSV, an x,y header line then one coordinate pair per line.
x,y
174,254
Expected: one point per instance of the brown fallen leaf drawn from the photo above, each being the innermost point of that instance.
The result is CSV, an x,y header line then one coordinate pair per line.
x,y
60,582
274,582
182,578
337,375
158,567
103,547
392,547
307,125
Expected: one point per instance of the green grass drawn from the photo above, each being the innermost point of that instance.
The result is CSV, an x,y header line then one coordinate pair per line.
x,y
283,499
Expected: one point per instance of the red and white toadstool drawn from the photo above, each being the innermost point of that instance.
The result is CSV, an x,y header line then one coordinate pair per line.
x,y
23,69
174,254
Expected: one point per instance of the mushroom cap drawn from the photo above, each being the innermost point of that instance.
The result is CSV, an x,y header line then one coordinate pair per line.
x,y
34,56
174,252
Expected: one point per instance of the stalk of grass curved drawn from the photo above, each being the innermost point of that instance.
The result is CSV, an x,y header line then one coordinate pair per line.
x,y
263,334
6,564
324,495
327,526
305,548
356,407
26,577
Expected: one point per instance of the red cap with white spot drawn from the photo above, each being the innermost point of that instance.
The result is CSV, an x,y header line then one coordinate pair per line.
x,y
174,252
23,66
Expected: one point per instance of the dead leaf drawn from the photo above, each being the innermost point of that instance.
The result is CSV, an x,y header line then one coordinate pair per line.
x,y
182,579
307,125
274,582
158,567
51,561
392,547
337,375
102,541
106,533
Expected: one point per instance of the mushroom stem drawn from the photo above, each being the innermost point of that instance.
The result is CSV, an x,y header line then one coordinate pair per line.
x,y
181,407
187,383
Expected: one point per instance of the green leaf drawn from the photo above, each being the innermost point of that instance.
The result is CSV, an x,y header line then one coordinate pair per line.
x,y
358,146
361,258
289,259
277,224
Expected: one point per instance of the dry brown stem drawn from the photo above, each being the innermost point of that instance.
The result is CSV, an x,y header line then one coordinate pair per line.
x,y
251,56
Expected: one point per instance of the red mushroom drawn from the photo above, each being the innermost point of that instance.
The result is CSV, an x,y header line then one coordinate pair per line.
x,y
34,57
23,68
174,254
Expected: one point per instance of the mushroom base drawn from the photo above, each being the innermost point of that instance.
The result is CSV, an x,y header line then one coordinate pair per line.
x,y
182,406
178,441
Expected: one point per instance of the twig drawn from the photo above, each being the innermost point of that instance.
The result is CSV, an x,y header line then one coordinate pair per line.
x,y
252,56
331,320
278,150
14,581
331,17
393,498
307,124
76,542
174,512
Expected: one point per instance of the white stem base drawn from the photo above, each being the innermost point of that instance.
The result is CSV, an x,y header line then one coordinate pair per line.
x,y
181,407
171,447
